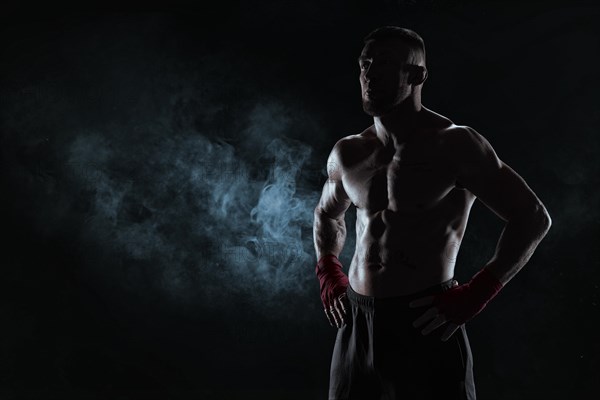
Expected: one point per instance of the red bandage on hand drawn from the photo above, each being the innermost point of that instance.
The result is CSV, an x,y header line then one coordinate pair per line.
x,y
461,303
332,280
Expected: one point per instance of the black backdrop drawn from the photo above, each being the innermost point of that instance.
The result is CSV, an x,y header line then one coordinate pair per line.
x,y
160,166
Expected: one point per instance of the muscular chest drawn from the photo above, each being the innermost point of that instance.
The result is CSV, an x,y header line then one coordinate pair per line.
x,y
413,178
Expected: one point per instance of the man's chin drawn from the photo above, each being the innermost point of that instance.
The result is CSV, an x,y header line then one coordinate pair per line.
x,y
376,110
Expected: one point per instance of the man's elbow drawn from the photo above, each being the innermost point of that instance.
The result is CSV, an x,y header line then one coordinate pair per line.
x,y
547,220
542,218
536,215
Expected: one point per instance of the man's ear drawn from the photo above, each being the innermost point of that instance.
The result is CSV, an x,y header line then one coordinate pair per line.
x,y
419,75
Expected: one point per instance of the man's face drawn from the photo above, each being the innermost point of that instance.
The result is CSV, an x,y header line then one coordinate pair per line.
x,y
383,80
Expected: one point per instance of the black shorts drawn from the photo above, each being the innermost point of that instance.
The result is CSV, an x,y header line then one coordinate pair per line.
x,y
379,355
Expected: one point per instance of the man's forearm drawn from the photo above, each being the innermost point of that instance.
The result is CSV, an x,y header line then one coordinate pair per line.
x,y
329,234
518,241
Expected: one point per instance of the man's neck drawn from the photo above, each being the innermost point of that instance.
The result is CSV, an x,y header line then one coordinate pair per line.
x,y
398,126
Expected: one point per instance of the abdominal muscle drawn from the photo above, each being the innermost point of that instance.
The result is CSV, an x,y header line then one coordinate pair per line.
x,y
395,258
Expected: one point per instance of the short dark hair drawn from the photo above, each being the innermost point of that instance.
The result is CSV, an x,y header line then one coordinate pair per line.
x,y
410,38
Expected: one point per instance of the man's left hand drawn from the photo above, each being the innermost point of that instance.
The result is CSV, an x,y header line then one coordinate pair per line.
x,y
434,313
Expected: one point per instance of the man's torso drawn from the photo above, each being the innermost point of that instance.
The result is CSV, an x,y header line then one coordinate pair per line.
x,y
411,215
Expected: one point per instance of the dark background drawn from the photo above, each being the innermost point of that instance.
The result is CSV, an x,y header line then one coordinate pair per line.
x,y
160,166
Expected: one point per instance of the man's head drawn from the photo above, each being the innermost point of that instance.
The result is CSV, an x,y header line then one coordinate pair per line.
x,y
392,69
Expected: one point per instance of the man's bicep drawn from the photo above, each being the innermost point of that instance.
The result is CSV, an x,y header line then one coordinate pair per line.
x,y
334,200
495,183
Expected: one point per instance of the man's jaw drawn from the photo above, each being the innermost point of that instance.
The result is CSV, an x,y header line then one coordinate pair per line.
x,y
376,110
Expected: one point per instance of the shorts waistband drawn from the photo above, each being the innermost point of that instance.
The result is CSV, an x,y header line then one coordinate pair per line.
x,y
372,301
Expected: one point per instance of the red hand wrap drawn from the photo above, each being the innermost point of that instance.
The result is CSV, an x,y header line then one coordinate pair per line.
x,y
332,280
461,303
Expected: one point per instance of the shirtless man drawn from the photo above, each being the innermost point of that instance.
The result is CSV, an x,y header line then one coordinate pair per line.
x,y
413,177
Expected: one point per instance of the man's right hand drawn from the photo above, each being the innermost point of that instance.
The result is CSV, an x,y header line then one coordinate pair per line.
x,y
337,314
333,285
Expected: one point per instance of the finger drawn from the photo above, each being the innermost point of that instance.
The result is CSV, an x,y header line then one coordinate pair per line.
x,y
432,312
437,322
333,313
452,327
343,299
423,301
329,317
339,309
340,314
348,308
343,307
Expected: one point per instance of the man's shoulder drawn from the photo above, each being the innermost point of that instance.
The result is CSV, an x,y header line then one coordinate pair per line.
x,y
454,133
468,150
463,138
357,139
349,149
447,129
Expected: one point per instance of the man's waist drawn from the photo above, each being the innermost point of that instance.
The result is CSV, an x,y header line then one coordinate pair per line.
x,y
401,300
